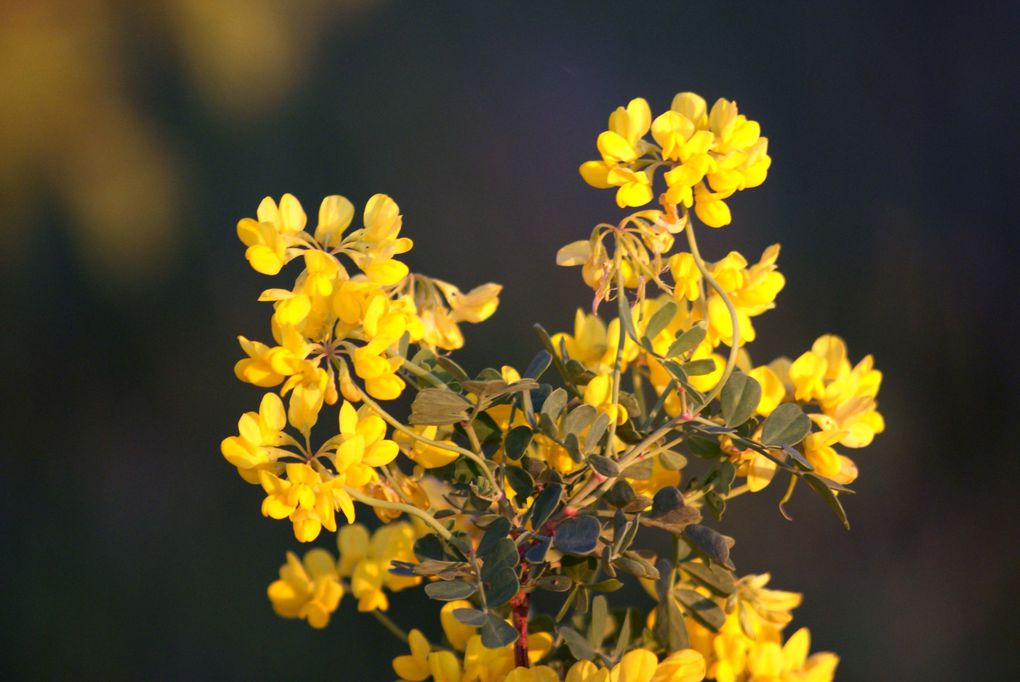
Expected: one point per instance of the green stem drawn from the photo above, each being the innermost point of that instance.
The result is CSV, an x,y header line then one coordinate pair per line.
x,y
387,623
397,506
620,342
423,373
731,360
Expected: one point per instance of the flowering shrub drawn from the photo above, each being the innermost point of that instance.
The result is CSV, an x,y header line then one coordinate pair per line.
x,y
502,483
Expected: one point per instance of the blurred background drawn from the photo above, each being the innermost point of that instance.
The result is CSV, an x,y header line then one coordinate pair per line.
x,y
134,135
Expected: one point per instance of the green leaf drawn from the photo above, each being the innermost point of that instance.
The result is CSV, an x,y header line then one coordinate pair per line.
x,y
449,590
716,578
672,460
687,341
595,433
739,398
517,441
627,317
636,565
698,367
554,404
536,553
496,531
607,585
661,319
667,501
503,586
578,535
520,480
497,633
538,365
787,425
438,406
580,417
545,504
669,625
624,637
597,625
711,543
641,471
620,494
455,370
701,608
604,465
503,555
429,547
818,484
555,583
472,617
578,645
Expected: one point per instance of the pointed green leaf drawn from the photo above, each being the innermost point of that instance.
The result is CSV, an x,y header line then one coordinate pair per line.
x,y
661,319
451,590
687,341
739,398
787,425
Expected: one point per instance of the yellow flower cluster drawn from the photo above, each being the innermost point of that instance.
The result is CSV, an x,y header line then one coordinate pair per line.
x,y
845,396
470,661
749,645
311,588
330,323
329,310
519,512
365,559
708,155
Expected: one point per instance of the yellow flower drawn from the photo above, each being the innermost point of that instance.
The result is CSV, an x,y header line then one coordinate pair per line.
x,y
808,376
270,239
335,216
708,155
589,342
415,666
799,667
484,664
476,305
366,561
686,665
308,589
256,368
599,394
761,610
542,673
635,187
307,498
636,666
773,390
362,439
253,450
457,633
847,396
379,372
661,477
686,276
428,456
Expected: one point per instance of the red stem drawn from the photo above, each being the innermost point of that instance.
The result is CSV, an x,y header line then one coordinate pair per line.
x,y
519,607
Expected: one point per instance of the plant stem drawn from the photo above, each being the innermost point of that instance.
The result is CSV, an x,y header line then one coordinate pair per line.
x,y
731,360
520,605
621,340
387,623
423,373
398,506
